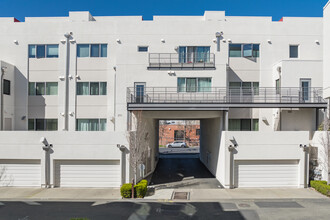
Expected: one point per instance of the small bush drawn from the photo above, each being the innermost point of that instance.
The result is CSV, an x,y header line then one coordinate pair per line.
x,y
141,188
321,186
126,190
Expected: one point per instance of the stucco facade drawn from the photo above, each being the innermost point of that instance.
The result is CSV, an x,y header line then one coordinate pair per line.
x,y
267,91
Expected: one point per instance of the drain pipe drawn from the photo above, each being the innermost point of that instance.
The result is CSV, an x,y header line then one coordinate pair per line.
x,y
1,88
66,78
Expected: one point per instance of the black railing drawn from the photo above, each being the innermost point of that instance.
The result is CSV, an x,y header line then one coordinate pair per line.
x,y
181,61
224,95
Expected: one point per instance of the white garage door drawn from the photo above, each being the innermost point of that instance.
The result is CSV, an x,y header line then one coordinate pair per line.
x,y
87,173
266,173
25,173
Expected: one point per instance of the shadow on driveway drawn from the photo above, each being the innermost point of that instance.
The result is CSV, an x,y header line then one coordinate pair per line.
x,y
183,172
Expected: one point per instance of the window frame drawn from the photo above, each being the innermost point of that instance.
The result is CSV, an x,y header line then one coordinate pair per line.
x,y
6,82
196,84
242,45
142,51
45,89
89,88
298,51
35,46
242,120
45,120
99,123
100,55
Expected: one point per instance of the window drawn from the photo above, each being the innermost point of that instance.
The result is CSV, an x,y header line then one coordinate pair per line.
x,y
244,50
278,86
42,124
178,135
92,50
91,124
243,125
43,88
198,132
194,84
194,54
43,51
294,51
6,87
142,49
91,88
236,88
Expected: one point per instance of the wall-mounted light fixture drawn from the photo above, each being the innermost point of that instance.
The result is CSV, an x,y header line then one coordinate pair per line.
x,y
63,41
317,42
264,119
162,40
62,114
118,41
269,41
229,40
61,77
72,41
71,113
16,42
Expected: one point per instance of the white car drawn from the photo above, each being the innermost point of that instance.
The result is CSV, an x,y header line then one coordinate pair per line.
x,y
177,144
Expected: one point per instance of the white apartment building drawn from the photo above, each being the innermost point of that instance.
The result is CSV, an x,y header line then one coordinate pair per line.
x,y
71,87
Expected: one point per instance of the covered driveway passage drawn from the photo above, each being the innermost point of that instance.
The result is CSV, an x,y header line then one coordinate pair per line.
x,y
184,171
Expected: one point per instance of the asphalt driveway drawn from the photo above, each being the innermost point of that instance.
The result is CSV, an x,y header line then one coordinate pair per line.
x,y
183,171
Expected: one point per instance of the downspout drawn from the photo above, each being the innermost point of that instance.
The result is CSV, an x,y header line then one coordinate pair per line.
x,y
1,88
66,78
115,99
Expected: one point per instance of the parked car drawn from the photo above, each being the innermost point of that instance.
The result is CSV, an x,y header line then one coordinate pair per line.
x,y
177,144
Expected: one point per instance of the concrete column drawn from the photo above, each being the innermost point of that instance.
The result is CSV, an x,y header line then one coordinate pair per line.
x,y
225,120
231,167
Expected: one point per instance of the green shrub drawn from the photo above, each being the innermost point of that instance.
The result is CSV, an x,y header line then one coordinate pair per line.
x,y
141,188
126,190
321,186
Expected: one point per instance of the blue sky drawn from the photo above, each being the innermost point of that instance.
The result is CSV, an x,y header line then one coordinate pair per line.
x,y
148,8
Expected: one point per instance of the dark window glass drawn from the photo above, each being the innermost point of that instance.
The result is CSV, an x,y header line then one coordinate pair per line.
x,y
143,49
40,124
94,86
255,50
32,51
198,131
104,50
178,135
31,124
40,88
235,50
95,50
245,124
41,51
6,87
293,51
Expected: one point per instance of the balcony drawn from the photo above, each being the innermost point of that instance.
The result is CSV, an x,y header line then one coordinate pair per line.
x,y
198,61
217,98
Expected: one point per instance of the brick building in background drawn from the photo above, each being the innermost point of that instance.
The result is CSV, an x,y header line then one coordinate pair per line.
x,y
186,131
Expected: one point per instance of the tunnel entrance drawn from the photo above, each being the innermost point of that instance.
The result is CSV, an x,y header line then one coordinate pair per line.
x,y
179,157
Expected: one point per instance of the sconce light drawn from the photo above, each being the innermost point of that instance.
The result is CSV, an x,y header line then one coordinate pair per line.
x,y
229,40
16,42
264,119
269,41
62,114
77,77
162,40
215,40
61,77
63,41
73,41
118,41
224,40
23,117
317,42
71,113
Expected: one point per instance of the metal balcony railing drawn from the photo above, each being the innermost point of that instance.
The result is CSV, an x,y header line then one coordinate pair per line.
x,y
224,95
181,61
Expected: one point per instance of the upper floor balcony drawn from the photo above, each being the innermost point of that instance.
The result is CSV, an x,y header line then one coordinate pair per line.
x,y
221,98
192,60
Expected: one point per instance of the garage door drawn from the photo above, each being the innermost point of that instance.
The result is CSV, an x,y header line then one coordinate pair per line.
x,y
25,173
266,173
87,173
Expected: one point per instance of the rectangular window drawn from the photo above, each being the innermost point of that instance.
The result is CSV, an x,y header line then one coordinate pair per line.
x,y
51,88
42,124
194,84
6,87
235,50
91,124
278,87
95,50
142,49
245,88
41,51
82,88
40,88
294,51
91,88
178,135
103,88
94,86
52,51
82,50
193,54
198,132
31,125
32,51
92,50
244,50
104,50
32,88
243,124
